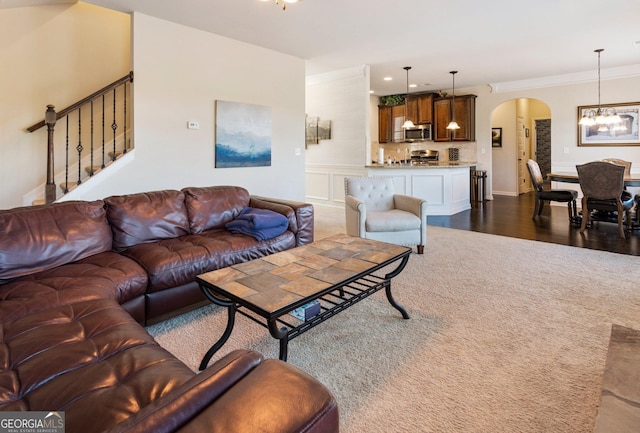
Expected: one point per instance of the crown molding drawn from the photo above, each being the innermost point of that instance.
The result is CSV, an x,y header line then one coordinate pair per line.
x,y
342,74
6,4
566,79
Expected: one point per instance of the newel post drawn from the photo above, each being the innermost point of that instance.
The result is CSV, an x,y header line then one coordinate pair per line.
x,y
50,118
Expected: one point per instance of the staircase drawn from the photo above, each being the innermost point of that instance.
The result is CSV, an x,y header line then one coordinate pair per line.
x,y
86,137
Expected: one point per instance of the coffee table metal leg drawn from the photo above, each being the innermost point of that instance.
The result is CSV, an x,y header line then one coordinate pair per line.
x,y
231,309
282,335
387,287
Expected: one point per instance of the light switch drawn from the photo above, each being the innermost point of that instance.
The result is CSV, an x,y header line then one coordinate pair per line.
x,y
297,151
192,124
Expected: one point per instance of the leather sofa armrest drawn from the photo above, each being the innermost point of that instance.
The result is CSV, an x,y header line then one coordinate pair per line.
x,y
175,409
303,215
274,397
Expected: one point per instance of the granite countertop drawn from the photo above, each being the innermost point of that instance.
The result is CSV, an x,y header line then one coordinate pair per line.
x,y
434,164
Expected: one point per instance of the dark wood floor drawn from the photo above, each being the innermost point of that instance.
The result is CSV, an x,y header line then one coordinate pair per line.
x,y
511,216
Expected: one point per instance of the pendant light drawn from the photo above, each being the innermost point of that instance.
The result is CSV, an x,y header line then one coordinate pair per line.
x,y
453,124
602,117
407,123
284,3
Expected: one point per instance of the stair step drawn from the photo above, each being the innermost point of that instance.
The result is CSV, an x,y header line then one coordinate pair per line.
x,y
94,169
68,186
118,154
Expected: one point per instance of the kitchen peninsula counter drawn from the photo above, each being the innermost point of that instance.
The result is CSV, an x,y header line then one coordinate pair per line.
x,y
438,164
445,185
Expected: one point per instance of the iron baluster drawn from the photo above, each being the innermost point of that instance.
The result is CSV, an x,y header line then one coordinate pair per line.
x,y
66,164
103,142
125,119
91,166
114,126
79,147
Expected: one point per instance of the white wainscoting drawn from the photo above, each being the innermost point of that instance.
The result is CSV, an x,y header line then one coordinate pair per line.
x,y
325,183
446,189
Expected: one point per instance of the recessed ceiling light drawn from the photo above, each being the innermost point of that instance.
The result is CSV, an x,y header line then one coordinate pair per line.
x,y
388,78
413,85
636,44
372,91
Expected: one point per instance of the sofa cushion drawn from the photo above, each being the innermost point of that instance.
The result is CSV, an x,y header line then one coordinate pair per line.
x,y
146,217
37,238
101,276
90,359
212,207
174,262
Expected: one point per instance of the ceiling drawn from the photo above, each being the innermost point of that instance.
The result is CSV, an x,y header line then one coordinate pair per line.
x,y
488,42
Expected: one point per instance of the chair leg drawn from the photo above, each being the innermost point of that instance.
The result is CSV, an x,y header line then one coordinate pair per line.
x,y
570,214
585,215
420,249
535,209
620,225
541,207
575,210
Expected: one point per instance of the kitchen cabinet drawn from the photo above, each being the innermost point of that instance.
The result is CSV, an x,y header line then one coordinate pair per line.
x,y
390,120
425,108
420,108
464,109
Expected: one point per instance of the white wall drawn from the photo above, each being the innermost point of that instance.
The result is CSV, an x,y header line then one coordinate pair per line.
x,y
179,73
50,55
504,178
342,97
563,101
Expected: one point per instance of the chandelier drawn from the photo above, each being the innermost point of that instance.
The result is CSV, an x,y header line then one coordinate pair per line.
x,y
284,2
605,118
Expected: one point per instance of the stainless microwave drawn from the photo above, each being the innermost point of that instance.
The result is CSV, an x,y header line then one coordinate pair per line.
x,y
419,133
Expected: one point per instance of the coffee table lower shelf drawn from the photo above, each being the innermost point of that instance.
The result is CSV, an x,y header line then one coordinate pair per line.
x,y
285,327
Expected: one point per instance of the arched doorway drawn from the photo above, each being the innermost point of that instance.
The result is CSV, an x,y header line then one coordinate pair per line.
x,y
524,125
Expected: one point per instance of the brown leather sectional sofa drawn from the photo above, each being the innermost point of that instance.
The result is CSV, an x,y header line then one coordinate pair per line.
x,y
77,279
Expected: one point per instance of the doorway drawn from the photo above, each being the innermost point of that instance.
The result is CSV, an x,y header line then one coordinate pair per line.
x,y
542,144
518,119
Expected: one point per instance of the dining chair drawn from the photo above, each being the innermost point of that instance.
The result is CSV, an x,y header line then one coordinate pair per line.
x,y
374,211
568,196
626,195
602,184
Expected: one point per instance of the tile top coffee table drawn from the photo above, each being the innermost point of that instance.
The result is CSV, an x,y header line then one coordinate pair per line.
x,y
337,271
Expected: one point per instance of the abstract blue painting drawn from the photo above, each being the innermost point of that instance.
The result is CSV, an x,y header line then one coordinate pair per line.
x,y
243,135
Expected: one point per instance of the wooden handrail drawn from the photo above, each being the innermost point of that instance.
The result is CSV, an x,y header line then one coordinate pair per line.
x,y
70,108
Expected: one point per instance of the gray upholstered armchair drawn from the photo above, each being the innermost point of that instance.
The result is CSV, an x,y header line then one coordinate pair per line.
x,y
374,211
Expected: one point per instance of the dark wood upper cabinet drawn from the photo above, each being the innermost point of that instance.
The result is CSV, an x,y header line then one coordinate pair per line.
x,y
420,108
412,108
390,120
464,109
425,108
385,130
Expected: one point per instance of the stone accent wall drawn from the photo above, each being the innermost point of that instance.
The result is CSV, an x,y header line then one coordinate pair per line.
x,y
543,145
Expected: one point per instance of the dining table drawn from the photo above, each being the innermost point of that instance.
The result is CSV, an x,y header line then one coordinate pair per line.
x,y
568,177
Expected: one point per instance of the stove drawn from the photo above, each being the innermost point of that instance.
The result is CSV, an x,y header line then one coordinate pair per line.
x,y
424,157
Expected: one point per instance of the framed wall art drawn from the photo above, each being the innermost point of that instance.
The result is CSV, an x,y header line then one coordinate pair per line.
x,y
243,135
311,130
622,133
496,137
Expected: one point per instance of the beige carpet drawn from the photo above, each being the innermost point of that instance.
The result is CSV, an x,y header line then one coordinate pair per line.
x,y
505,335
